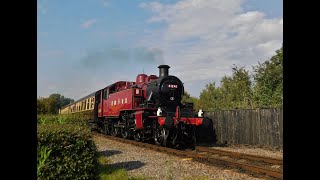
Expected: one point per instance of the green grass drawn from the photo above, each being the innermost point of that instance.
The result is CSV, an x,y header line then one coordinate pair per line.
x,y
107,172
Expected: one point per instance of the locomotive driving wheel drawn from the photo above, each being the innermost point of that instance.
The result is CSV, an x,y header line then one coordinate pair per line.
x,y
157,134
114,131
160,136
137,136
125,133
192,143
106,129
125,130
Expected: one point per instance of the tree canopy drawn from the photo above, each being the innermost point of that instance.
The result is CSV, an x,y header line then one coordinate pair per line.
x,y
268,90
235,92
52,104
262,89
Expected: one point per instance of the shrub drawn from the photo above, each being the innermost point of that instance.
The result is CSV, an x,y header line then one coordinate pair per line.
x,y
65,152
76,119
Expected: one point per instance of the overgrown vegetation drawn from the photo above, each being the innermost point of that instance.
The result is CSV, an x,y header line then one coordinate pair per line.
x,y
65,147
43,155
52,104
65,152
76,119
262,89
268,90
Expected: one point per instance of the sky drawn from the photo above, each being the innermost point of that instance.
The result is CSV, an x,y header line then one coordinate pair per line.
x,y
85,45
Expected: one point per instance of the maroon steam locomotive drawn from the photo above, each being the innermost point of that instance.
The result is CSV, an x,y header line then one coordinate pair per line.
x,y
148,109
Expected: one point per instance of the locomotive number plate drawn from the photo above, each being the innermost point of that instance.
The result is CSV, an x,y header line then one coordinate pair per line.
x,y
172,86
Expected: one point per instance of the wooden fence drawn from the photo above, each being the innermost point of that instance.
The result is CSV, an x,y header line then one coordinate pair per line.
x,y
250,126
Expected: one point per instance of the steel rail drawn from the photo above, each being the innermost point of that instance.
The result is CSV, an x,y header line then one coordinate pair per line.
x,y
270,160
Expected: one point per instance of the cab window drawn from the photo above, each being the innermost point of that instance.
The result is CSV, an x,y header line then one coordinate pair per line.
x,y
105,94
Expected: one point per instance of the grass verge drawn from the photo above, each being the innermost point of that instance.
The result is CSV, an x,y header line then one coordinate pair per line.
x,y
105,171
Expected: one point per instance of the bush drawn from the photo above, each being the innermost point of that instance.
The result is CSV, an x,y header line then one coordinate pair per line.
x,y
65,152
76,119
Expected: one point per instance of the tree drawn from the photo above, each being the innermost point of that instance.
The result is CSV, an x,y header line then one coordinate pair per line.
x,y
236,90
210,98
60,101
41,109
52,104
268,89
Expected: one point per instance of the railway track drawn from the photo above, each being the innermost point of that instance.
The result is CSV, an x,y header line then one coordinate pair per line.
x,y
264,159
258,165
253,163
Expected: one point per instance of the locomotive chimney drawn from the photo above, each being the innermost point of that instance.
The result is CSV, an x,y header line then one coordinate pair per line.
x,y
163,70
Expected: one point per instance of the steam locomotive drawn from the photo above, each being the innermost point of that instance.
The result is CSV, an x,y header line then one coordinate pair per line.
x,y
148,109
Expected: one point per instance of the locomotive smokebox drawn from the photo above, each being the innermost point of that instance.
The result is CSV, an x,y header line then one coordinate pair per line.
x,y
163,70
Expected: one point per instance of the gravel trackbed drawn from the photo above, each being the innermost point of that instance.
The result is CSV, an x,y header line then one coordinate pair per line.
x,y
156,165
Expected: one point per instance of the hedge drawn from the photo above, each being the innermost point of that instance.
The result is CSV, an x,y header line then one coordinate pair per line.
x,y
76,119
65,152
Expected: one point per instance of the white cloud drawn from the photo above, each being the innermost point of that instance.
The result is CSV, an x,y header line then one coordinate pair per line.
x,y
88,23
202,39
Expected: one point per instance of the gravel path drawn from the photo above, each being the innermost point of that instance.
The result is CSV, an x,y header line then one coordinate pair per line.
x,y
155,165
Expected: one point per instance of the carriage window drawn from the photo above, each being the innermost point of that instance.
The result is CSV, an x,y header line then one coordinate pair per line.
x,y
92,103
82,105
88,103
